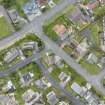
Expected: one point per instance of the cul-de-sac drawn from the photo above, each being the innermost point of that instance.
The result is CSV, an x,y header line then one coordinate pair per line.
x,y
52,52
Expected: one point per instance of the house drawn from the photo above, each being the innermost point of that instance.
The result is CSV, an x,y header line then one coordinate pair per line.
x,y
15,18
31,9
42,83
8,100
58,61
64,78
63,103
77,88
11,55
30,45
9,87
90,7
86,32
92,4
51,98
42,3
102,60
102,2
50,60
32,98
77,16
60,30
82,48
91,99
92,58
26,78
51,3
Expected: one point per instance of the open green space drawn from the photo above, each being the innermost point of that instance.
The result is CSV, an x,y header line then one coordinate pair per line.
x,y
67,69
74,77
99,12
15,78
4,28
91,68
68,49
17,4
27,53
21,2
48,29
95,38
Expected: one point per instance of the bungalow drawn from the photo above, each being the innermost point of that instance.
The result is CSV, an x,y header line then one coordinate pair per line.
x,y
8,100
58,61
32,98
64,78
92,4
11,55
77,88
102,2
30,45
92,58
63,103
82,48
42,3
16,19
77,16
42,83
31,9
51,3
26,78
90,7
91,99
9,87
60,30
52,59
51,98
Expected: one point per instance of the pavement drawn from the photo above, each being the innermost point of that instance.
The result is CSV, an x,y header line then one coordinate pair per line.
x,y
19,65
36,27
55,84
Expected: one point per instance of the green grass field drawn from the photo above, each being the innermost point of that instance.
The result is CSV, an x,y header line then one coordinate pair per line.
x,y
91,68
4,28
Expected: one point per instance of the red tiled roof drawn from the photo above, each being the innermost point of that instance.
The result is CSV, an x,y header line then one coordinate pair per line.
x,y
92,5
59,29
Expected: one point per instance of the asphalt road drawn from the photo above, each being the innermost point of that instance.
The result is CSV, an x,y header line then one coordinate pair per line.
x,y
94,80
37,21
36,27
57,85
19,65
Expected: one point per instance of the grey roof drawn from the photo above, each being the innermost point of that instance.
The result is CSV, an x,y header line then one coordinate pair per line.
x,y
26,78
11,55
76,15
13,15
86,32
40,84
51,98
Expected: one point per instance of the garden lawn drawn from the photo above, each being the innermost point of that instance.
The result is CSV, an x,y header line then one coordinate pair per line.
x,y
48,29
21,2
91,68
95,34
4,28
32,67
67,69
